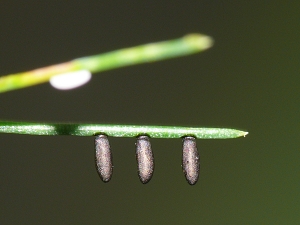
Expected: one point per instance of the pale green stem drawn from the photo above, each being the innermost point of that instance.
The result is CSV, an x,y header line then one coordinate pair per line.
x,y
117,130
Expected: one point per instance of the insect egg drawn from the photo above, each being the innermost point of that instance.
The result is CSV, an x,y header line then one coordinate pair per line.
x,y
190,160
145,159
103,158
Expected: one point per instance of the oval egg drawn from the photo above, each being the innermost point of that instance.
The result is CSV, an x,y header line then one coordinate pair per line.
x,y
145,159
103,158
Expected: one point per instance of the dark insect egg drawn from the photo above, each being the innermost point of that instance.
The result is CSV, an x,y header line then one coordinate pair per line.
x,y
145,159
190,160
103,158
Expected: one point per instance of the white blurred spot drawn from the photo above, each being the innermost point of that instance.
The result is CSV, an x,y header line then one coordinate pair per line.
x,y
70,80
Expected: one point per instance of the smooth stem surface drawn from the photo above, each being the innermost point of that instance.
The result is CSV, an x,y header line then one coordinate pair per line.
x,y
117,130
187,45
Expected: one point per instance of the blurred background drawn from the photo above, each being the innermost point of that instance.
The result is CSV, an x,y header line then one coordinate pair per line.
x,y
248,80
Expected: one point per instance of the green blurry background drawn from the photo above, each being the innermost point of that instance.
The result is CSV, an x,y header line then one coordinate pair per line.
x,y
249,80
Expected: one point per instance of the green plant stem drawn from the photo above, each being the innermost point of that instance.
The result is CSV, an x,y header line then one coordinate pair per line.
x,y
187,45
117,130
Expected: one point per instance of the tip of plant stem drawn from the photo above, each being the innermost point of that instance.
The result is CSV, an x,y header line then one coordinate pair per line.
x,y
200,40
244,133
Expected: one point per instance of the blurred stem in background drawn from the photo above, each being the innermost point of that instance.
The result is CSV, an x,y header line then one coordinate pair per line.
x,y
186,45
